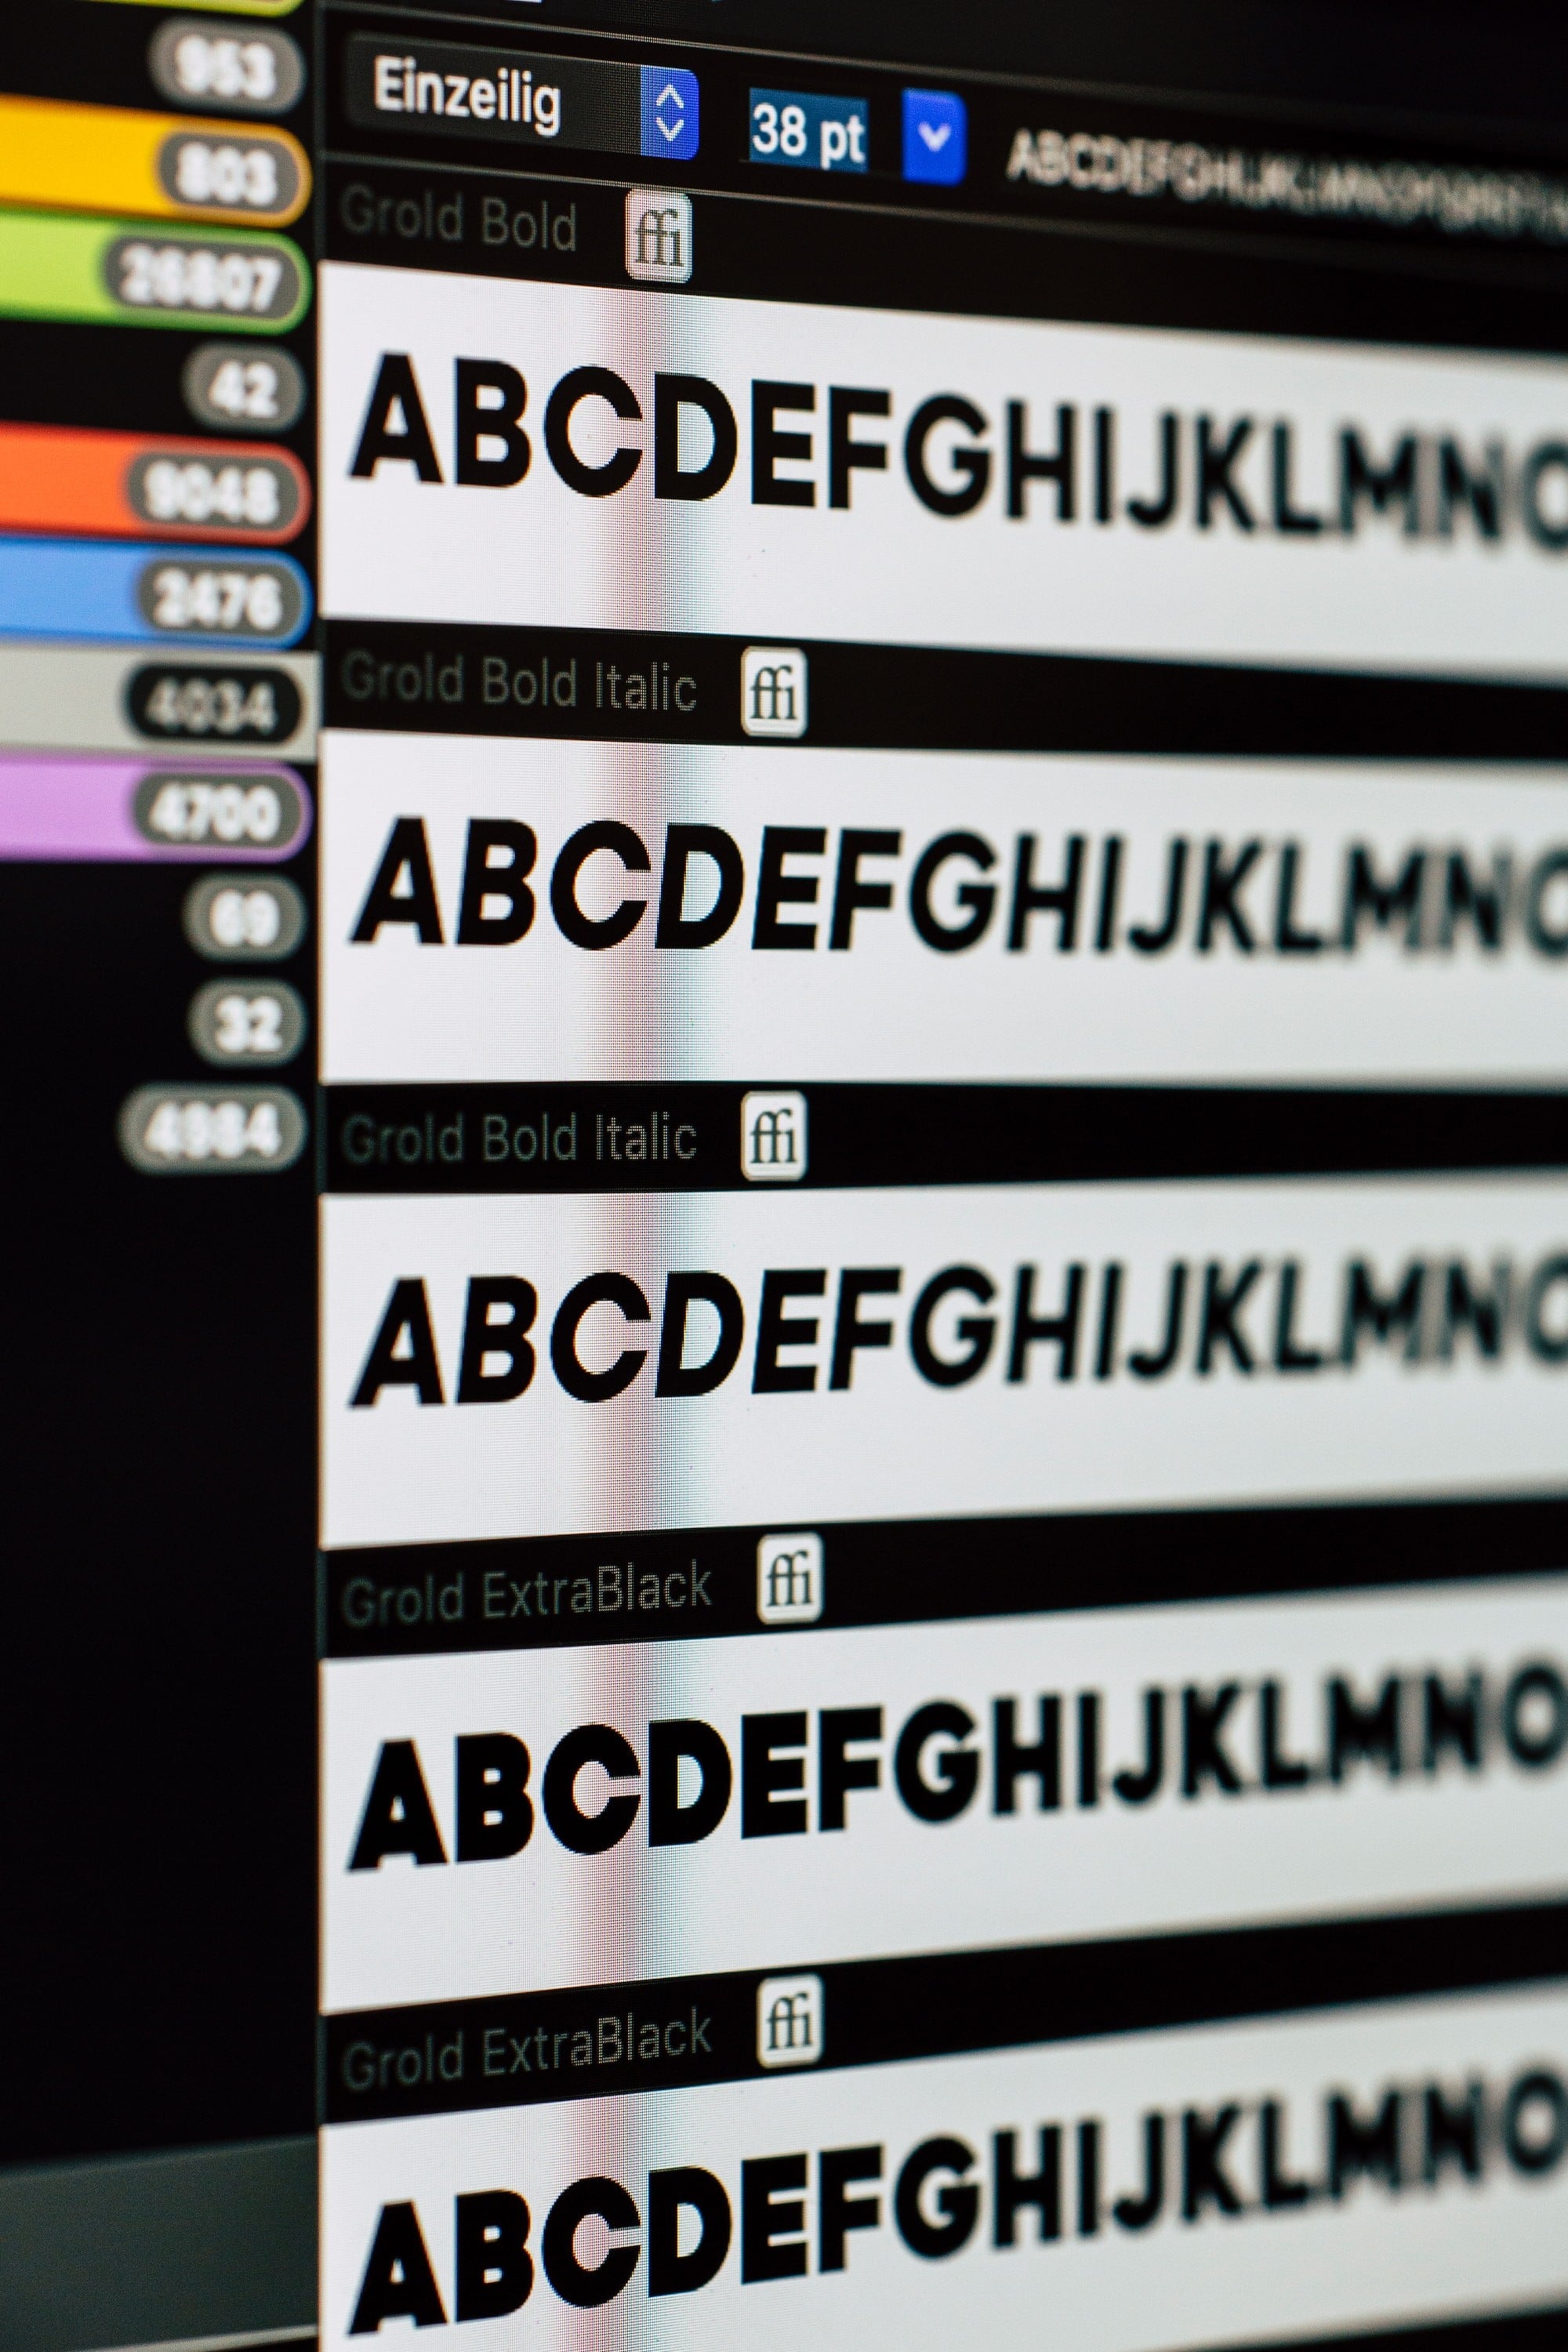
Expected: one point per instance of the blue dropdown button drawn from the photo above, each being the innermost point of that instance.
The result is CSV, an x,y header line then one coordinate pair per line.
x,y
669,112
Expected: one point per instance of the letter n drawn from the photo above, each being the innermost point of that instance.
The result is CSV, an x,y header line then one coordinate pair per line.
x,y
398,2282
395,423
392,1363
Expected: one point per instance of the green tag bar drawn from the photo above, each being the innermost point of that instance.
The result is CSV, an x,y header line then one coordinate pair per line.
x,y
139,273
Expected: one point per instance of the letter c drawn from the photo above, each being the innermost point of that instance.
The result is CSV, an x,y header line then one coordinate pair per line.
x,y
581,1833
610,929
599,1289
573,2282
589,384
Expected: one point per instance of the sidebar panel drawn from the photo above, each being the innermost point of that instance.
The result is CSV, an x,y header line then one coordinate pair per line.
x,y
159,701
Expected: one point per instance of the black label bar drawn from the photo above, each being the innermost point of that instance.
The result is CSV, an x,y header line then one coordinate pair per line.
x,y
450,679
529,2049
1121,264
561,1593
1529,2331
683,1138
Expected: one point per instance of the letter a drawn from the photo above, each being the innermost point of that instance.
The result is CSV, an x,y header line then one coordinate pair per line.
x,y
407,852
398,1816
398,2282
396,396
390,1364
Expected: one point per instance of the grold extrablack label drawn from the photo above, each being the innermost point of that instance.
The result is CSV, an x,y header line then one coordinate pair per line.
x,y
1337,2170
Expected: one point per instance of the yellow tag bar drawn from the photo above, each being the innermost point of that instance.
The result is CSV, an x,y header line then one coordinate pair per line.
x,y
111,158
229,7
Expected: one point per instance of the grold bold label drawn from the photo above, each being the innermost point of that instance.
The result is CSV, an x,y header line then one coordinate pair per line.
x,y
720,913
513,1366
1345,2170
533,1820
784,471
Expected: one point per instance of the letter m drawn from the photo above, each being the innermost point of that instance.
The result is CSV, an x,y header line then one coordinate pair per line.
x,y
1385,1316
1358,2145
1381,487
1385,901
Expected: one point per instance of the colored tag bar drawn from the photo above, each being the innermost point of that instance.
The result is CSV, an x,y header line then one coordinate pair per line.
x,y
60,265
113,159
166,595
228,7
134,810
133,485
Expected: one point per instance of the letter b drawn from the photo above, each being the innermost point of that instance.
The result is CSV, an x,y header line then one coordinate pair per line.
x,y
485,1337
491,880
495,2269
491,420
495,1816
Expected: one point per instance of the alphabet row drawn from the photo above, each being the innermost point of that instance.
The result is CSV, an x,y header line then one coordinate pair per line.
x,y
1203,497
1203,469
1428,1307
1342,2170
912,1789
936,1771
1435,902
882,918
925,1352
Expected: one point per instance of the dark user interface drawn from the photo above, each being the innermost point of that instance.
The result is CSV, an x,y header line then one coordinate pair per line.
x,y
784,864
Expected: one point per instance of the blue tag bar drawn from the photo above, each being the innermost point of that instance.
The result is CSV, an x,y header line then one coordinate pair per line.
x,y
151,595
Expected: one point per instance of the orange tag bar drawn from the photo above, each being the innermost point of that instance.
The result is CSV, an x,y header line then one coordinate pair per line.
x,y
147,485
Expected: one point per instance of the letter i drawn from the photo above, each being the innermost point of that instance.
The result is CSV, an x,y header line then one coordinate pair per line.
x,y
1089,2179
1088,1748
1109,896
1110,1322
1104,465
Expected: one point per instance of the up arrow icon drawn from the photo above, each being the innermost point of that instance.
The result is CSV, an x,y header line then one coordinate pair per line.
x,y
669,112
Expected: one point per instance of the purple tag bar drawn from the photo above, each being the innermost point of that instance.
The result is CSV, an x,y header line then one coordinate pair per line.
x,y
72,811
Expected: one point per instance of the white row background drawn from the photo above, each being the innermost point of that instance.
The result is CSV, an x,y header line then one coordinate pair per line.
x,y
888,1883
891,1445
1366,2262
400,1009
887,569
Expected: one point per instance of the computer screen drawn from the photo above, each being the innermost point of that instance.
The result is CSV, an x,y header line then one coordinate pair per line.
x,y
784,869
